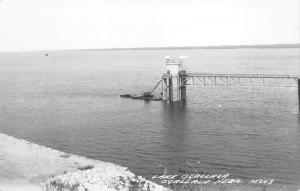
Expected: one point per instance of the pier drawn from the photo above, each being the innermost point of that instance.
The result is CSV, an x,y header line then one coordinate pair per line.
x,y
176,78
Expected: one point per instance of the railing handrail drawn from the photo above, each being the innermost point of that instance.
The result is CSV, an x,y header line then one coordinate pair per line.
x,y
244,75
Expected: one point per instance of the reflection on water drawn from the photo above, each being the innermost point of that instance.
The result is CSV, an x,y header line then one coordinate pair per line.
x,y
175,124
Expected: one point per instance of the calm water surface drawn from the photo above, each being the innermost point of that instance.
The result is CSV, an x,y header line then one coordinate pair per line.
x,y
70,101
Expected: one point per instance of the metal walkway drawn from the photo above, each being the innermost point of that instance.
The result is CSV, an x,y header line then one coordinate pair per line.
x,y
247,80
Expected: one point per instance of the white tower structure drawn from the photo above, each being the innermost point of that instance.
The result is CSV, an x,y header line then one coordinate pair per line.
x,y
173,89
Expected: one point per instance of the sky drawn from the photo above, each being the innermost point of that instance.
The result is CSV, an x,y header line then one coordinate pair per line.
x,y
94,24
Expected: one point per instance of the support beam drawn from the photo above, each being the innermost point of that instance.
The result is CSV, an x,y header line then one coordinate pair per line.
x,y
183,87
299,92
165,88
172,88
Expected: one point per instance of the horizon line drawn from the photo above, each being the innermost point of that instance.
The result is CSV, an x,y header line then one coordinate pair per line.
x,y
262,46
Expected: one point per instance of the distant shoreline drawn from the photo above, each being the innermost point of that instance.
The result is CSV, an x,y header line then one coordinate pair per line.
x,y
200,47
258,46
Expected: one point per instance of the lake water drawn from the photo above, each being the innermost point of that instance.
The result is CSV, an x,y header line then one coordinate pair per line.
x,y
70,101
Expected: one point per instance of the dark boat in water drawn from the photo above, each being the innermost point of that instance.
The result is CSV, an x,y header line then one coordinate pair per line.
x,y
146,96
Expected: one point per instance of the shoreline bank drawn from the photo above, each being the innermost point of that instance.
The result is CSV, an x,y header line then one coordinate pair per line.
x,y
25,166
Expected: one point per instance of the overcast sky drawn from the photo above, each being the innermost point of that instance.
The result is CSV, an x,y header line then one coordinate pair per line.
x,y
82,24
